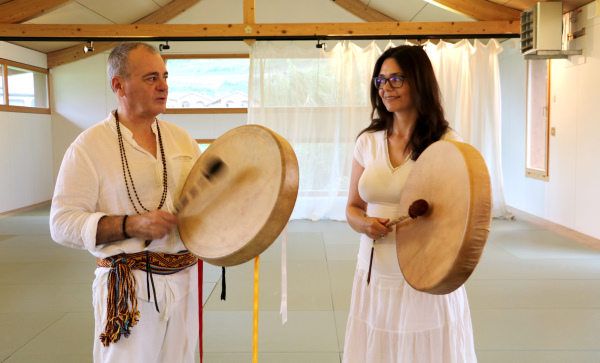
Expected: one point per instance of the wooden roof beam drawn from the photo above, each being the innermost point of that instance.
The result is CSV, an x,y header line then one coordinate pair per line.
x,y
191,32
18,11
249,17
160,16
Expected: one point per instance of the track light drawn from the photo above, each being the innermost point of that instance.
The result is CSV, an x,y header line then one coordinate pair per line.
x,y
321,45
89,47
165,46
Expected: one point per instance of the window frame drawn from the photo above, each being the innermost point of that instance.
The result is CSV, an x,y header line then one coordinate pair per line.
x,y
22,109
540,174
204,141
207,110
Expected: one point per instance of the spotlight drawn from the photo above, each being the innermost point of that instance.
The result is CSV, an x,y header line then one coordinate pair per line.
x,y
165,46
321,45
89,47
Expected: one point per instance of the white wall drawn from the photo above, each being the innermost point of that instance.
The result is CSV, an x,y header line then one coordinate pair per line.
x,y
22,55
25,148
571,197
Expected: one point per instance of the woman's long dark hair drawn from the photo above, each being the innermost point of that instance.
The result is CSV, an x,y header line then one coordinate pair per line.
x,y
425,92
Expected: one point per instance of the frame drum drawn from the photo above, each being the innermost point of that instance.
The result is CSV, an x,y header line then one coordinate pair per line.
x,y
438,251
238,213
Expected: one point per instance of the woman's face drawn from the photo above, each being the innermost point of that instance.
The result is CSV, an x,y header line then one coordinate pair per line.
x,y
395,99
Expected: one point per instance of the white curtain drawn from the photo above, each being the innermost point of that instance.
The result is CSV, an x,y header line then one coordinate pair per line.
x,y
319,101
469,80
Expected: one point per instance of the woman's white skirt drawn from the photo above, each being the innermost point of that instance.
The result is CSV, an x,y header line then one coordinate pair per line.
x,y
390,322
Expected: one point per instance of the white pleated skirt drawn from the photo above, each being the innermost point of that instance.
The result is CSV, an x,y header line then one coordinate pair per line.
x,y
390,322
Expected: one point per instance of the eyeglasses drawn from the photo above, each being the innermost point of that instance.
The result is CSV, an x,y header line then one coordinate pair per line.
x,y
395,81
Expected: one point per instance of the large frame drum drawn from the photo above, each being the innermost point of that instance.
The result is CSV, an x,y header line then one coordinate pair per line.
x,y
238,213
438,251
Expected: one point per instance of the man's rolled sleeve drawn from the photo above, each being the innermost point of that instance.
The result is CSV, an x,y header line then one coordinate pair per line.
x,y
73,220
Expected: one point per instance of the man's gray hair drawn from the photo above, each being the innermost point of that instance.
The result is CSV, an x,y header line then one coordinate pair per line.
x,y
118,60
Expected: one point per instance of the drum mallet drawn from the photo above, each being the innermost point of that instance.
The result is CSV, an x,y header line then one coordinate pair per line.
x,y
216,166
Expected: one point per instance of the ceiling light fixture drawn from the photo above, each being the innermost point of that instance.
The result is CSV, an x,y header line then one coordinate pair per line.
x,y
89,47
165,46
321,45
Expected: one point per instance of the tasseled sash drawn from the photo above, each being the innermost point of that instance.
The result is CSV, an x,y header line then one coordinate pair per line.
x,y
121,310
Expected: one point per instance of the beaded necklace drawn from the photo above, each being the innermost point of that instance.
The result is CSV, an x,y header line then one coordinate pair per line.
x,y
125,165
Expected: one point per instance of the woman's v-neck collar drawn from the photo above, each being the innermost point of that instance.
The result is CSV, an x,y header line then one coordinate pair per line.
x,y
387,155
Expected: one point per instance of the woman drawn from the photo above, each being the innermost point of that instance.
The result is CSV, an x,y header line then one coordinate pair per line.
x,y
389,321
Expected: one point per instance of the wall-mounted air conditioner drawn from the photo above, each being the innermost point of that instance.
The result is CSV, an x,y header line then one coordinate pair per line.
x,y
541,31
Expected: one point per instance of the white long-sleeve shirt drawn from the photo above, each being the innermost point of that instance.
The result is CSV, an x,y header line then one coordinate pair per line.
x,y
91,185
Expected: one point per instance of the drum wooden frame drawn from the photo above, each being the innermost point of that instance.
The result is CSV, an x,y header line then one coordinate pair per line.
x,y
438,251
237,214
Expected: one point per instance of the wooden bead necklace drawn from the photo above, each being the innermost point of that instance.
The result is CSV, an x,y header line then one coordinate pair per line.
x,y
125,165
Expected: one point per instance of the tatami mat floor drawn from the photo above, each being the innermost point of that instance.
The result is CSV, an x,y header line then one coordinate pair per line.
x,y
534,297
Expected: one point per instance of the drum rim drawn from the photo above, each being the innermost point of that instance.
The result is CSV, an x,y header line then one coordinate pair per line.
x,y
473,240
278,216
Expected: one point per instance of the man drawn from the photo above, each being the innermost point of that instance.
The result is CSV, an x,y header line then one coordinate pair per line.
x,y
115,196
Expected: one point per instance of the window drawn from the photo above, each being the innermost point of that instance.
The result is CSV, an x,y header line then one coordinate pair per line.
x,y
203,144
538,118
23,88
2,97
208,84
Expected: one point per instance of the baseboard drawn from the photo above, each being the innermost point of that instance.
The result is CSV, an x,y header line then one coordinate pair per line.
x,y
578,237
24,209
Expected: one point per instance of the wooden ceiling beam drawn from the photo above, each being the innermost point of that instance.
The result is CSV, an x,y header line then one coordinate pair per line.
x,y
190,32
149,32
75,53
18,11
249,13
160,16
249,17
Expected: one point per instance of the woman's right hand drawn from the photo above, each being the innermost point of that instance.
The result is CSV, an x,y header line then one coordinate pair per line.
x,y
375,228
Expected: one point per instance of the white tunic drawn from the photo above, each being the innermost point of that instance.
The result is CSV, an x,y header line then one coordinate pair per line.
x,y
389,321
90,185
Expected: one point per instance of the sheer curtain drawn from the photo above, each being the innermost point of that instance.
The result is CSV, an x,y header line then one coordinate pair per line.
x,y
319,101
469,80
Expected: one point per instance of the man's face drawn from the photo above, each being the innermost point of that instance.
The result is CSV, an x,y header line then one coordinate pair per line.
x,y
145,90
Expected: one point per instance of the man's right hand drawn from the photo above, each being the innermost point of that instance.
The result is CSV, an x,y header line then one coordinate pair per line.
x,y
152,225
148,226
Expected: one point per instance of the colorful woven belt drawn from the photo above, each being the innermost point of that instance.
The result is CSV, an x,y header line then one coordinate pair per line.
x,y
120,316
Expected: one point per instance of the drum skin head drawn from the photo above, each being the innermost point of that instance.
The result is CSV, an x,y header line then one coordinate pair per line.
x,y
438,251
237,214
